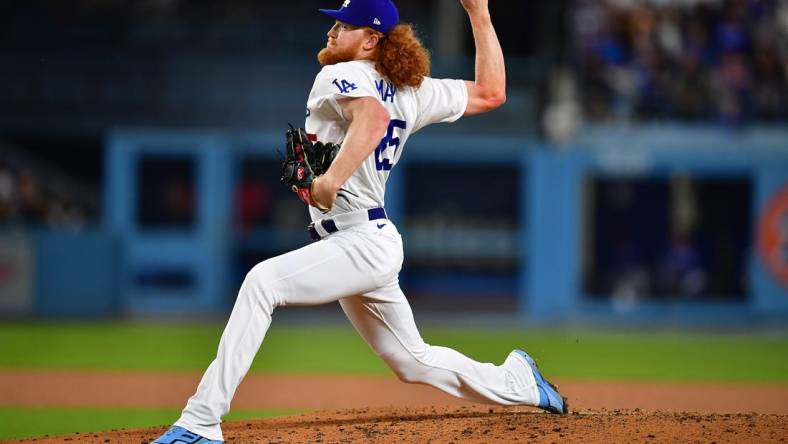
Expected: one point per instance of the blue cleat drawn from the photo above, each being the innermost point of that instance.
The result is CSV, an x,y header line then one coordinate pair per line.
x,y
549,398
179,435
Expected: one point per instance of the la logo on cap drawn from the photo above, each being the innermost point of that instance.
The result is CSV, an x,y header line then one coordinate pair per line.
x,y
376,21
346,4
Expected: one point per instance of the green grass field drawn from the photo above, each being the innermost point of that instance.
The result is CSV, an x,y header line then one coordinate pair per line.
x,y
633,355
304,349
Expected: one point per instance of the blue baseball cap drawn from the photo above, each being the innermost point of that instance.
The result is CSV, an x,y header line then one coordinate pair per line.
x,y
380,15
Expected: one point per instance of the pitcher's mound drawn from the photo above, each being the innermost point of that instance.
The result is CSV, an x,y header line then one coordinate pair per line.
x,y
477,424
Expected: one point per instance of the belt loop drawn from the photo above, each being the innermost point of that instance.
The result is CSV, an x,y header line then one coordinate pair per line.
x,y
329,226
313,232
319,229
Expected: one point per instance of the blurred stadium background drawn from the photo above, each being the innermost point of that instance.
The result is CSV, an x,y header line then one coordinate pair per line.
x,y
630,176
637,175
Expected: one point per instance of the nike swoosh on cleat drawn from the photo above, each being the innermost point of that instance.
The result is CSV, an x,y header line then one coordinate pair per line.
x,y
381,226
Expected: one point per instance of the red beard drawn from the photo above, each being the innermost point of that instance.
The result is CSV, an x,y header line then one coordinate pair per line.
x,y
332,56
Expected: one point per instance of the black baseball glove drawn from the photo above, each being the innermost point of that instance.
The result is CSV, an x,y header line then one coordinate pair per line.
x,y
304,162
324,154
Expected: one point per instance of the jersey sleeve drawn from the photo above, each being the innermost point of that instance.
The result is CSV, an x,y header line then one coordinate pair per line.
x,y
440,100
344,80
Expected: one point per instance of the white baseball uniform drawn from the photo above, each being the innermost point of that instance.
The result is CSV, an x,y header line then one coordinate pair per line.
x,y
357,263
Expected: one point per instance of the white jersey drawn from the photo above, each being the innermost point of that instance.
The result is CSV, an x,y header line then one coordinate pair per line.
x,y
436,100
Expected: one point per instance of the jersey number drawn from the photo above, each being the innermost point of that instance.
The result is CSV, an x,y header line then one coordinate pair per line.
x,y
383,163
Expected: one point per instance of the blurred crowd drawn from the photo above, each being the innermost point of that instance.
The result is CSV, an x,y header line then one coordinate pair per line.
x,y
32,198
690,60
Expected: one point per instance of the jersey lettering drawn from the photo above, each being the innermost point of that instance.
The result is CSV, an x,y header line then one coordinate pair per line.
x,y
384,163
386,90
344,87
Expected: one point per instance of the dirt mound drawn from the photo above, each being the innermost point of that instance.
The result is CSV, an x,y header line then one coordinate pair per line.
x,y
474,424
341,392
383,419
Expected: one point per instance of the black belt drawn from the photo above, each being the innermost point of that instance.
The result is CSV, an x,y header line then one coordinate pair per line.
x,y
331,227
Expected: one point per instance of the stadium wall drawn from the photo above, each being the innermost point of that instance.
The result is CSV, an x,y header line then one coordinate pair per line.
x,y
124,268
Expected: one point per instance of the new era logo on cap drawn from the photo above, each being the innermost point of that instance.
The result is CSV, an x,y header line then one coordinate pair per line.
x,y
380,15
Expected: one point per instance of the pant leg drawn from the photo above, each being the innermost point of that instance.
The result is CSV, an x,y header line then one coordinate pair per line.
x,y
385,320
347,263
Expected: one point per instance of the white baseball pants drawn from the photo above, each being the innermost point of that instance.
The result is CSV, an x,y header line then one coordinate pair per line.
x,y
359,267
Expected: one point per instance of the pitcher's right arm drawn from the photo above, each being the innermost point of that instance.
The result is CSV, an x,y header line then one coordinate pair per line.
x,y
488,90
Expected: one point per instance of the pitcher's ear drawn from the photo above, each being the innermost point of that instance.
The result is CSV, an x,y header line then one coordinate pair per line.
x,y
373,40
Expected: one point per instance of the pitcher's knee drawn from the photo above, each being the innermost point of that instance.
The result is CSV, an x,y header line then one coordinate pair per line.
x,y
258,284
407,367
259,273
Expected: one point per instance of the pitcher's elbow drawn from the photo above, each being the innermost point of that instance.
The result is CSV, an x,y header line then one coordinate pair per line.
x,y
497,100
492,98
491,103
382,118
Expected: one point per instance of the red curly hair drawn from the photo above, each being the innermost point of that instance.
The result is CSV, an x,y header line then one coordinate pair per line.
x,y
402,58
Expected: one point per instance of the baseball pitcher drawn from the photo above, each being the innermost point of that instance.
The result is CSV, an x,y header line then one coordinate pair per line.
x,y
372,94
